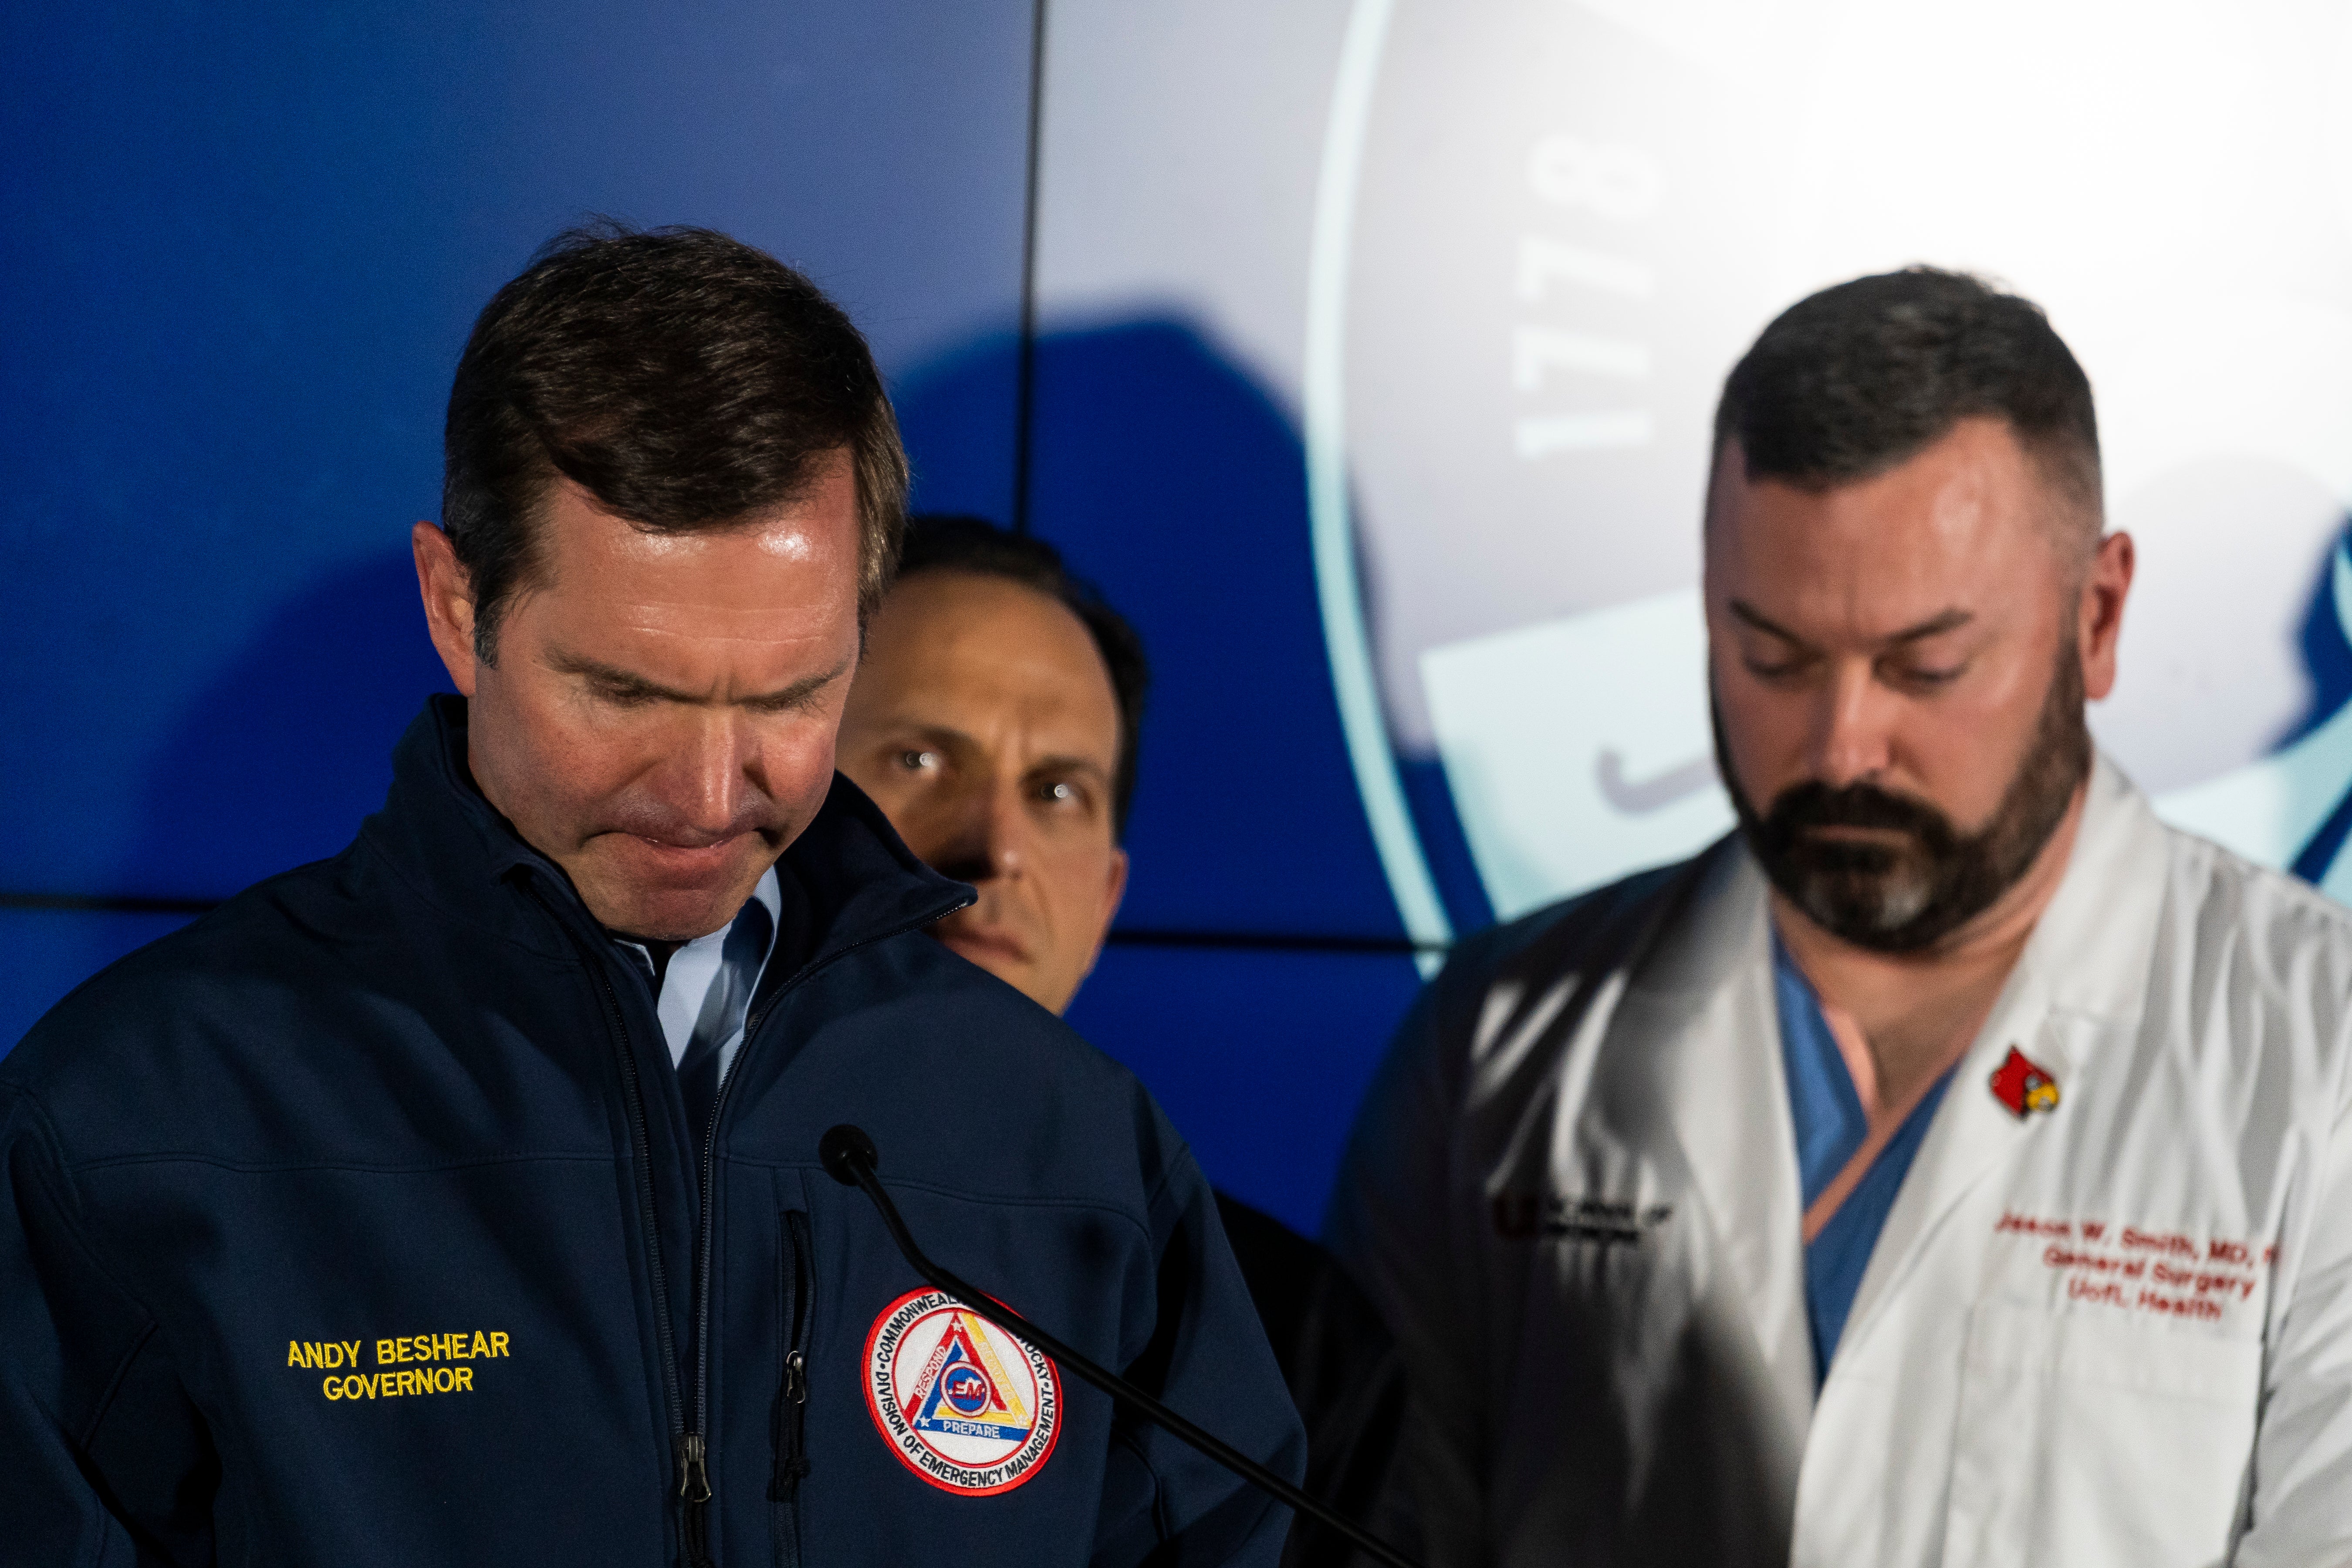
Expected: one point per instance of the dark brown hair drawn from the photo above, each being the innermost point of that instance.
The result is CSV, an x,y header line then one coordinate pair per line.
x,y
682,378
1850,382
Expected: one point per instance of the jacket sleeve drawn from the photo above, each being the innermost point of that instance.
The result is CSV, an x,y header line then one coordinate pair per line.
x,y
1208,1359
2300,1512
108,1457
1394,1224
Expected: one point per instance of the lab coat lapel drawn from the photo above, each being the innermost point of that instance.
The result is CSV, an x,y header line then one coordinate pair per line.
x,y
2082,977
1704,999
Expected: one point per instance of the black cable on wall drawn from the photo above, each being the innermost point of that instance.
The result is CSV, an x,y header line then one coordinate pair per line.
x,y
1024,395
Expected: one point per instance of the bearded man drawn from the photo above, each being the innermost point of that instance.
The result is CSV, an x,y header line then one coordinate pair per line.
x,y
1953,1165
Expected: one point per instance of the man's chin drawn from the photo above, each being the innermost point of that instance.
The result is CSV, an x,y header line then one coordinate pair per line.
x,y
667,897
1883,924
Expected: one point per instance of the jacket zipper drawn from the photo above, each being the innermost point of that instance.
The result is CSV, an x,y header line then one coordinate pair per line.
x,y
688,1443
791,1399
694,1484
687,1446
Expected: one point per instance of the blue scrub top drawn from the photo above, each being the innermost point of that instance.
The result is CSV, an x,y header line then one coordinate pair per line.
x,y
1830,1127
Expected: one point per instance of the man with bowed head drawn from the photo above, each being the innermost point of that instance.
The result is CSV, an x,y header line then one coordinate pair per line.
x,y
456,1199
1954,1164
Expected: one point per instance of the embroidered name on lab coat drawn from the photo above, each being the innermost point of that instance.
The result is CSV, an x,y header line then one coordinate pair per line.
x,y
2150,1269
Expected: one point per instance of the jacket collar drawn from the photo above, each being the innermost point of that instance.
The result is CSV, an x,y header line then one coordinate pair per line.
x,y
2090,952
438,834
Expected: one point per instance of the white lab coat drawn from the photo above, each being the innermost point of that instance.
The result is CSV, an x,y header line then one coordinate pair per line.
x,y
2118,1332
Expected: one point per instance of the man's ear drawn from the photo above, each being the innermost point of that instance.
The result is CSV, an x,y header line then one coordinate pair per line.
x,y
1118,888
2099,618
1114,890
448,602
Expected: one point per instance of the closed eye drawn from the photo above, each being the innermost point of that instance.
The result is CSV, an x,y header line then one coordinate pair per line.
x,y
1786,668
622,693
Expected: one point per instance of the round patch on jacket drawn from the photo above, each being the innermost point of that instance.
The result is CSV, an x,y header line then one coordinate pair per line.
x,y
963,1404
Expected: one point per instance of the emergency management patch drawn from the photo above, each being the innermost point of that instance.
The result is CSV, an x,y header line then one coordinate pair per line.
x,y
2023,1086
962,1402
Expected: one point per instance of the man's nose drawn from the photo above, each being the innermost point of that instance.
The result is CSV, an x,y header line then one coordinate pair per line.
x,y
991,838
1852,728
707,781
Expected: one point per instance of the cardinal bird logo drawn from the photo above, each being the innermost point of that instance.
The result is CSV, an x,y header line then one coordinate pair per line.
x,y
2023,1086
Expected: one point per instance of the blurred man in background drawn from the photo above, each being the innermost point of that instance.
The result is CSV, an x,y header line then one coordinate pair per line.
x,y
1952,1164
995,718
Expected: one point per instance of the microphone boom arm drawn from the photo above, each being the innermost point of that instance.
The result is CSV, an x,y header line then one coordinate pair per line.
x,y
850,1157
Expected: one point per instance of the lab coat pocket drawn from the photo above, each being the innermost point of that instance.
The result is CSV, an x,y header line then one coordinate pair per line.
x,y
2091,1439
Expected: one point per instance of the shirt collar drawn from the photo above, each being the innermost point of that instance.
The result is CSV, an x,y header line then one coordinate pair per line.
x,y
765,893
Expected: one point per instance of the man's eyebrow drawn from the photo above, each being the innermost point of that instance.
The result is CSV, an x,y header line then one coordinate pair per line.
x,y
1936,625
626,683
1762,622
1070,763
799,691
613,679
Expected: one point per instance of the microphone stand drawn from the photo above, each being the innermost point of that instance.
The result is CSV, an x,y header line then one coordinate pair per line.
x,y
849,1157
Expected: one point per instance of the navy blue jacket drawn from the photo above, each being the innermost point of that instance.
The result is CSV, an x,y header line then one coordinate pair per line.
x,y
359,1223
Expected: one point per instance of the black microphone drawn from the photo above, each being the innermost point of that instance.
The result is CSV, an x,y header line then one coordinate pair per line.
x,y
850,1157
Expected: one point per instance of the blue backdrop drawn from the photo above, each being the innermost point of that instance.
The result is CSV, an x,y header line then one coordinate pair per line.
x,y
242,256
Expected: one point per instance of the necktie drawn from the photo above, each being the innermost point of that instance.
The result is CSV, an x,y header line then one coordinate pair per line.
x,y
721,1018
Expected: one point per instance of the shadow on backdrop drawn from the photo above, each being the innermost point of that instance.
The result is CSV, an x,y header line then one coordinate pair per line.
x,y
1165,474
2322,640
272,764
280,755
